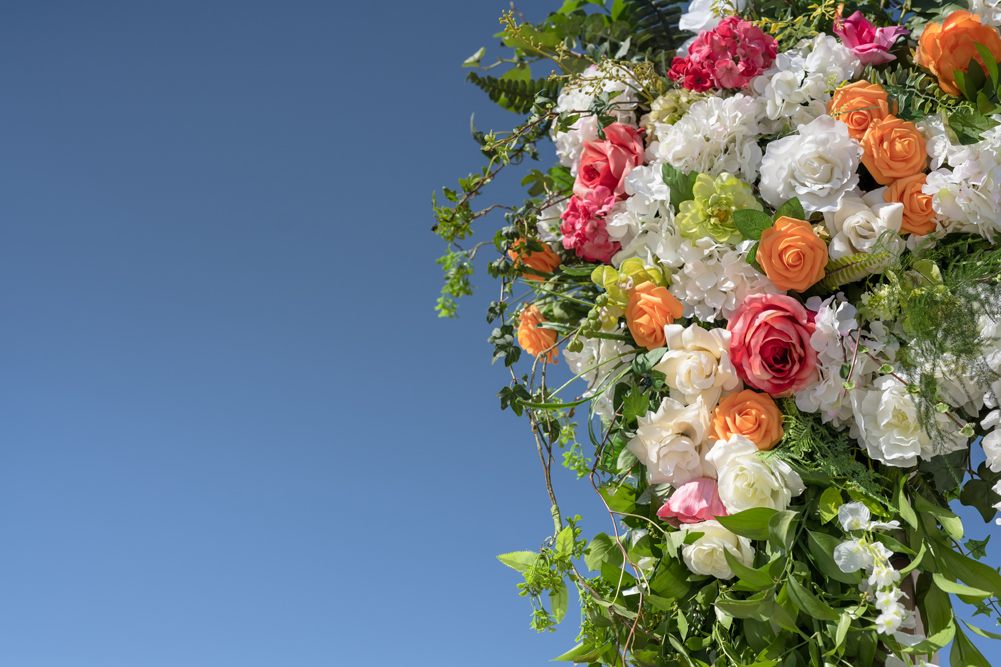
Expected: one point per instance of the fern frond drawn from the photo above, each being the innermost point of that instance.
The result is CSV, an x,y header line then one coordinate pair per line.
x,y
656,24
515,94
848,269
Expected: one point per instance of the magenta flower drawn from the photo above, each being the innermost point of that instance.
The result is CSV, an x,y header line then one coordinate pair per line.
x,y
693,502
870,44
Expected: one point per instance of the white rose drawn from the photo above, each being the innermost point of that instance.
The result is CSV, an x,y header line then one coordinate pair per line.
x,y
859,224
669,442
819,165
746,481
697,363
706,555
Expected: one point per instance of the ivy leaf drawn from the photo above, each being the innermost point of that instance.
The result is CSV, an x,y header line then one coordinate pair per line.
x,y
791,209
636,404
947,471
751,223
977,548
978,494
681,185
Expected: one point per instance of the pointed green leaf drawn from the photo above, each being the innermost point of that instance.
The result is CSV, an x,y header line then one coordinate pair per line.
x,y
752,523
992,65
559,602
519,560
791,209
810,603
957,588
474,60
751,223
755,579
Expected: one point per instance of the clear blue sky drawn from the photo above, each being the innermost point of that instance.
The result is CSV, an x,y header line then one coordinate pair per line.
x,y
233,430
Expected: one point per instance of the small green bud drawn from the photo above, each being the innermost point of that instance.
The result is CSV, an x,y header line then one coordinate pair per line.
x,y
575,345
848,385
967,431
601,301
886,369
942,407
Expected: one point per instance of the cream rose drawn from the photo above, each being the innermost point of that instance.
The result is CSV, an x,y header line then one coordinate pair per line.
x,y
706,555
746,480
697,363
669,442
859,223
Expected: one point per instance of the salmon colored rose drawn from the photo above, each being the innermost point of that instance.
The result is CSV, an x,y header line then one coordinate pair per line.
x,y
751,414
918,212
950,46
792,254
607,163
857,105
892,149
543,261
532,339
650,308
770,344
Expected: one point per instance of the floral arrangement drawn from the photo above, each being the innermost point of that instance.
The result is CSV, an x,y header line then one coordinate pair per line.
x,y
768,257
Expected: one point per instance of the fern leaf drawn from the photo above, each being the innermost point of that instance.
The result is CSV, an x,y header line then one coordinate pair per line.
x,y
848,269
515,94
656,24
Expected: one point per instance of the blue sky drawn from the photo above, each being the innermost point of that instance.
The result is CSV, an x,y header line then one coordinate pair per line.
x,y
234,431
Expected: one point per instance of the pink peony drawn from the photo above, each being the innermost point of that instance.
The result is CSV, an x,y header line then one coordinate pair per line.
x,y
692,502
583,226
770,344
607,163
728,56
869,43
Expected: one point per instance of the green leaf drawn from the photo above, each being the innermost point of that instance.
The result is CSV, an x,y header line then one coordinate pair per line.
x,y
757,609
636,404
965,654
577,651
559,602
893,544
602,549
969,124
904,507
977,548
519,560
844,623
751,223
992,65
474,60
975,79
848,269
971,572
914,561
791,209
755,579
780,529
935,642
960,77
619,499
810,603
959,589
752,523
681,185
951,523
671,580
982,633
821,546
828,504
979,495
564,542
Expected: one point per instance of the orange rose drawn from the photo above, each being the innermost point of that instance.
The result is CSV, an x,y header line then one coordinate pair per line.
x,y
750,414
792,254
650,308
857,105
532,339
543,261
947,47
893,149
918,211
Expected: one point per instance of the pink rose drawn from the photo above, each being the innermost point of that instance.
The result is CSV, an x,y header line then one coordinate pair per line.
x,y
583,226
770,344
607,163
693,502
869,43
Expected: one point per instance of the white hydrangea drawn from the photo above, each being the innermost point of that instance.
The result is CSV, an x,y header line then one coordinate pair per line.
x,y
670,442
549,220
716,135
887,420
697,364
579,97
647,209
818,164
989,11
941,143
795,89
715,278
968,198
594,365
861,223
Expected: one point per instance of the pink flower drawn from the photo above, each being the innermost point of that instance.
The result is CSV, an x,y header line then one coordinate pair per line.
x,y
729,56
693,502
583,226
607,163
865,40
770,344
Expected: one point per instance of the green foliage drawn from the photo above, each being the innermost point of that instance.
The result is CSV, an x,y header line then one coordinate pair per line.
x,y
515,93
655,24
849,269
915,92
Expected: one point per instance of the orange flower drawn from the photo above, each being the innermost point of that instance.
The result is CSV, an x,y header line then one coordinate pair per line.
x,y
857,105
918,211
532,339
543,261
947,47
893,149
650,308
750,414
792,254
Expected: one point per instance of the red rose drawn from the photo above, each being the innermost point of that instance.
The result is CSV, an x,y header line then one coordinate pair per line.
x,y
770,344
607,163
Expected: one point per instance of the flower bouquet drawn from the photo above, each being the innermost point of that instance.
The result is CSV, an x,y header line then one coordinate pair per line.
x,y
768,257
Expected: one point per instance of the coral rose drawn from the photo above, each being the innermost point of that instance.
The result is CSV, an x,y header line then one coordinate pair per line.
x,y
607,163
750,414
694,501
532,339
792,254
950,46
857,105
918,211
770,344
650,308
892,149
543,261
